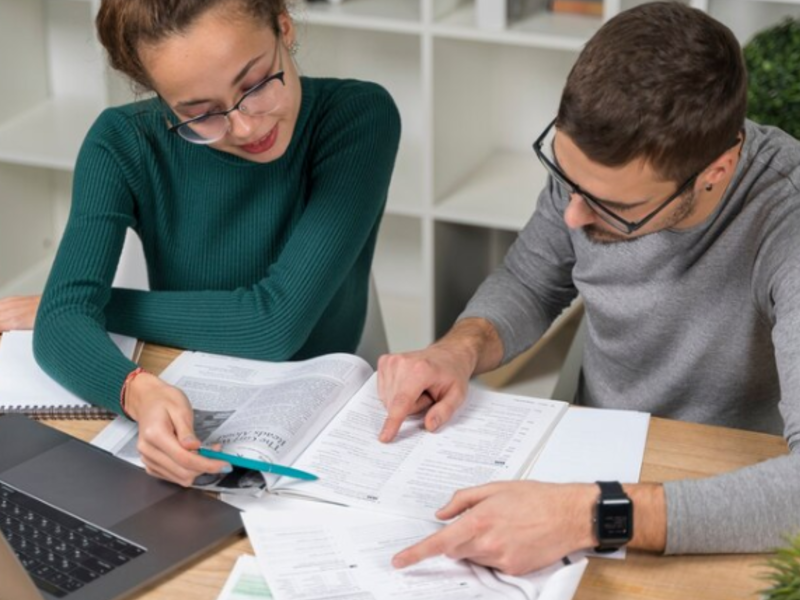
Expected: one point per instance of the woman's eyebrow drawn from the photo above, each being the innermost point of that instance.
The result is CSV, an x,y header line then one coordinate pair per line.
x,y
236,80
246,69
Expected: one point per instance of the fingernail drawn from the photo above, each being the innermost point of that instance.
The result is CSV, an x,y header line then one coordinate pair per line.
x,y
226,469
398,563
189,439
435,423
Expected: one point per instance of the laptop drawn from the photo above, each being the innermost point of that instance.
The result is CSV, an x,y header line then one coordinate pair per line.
x,y
80,524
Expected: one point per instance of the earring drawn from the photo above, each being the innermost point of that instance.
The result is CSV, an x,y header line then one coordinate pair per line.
x,y
293,47
709,187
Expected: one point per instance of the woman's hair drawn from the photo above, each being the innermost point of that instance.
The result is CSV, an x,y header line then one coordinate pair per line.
x,y
663,82
123,26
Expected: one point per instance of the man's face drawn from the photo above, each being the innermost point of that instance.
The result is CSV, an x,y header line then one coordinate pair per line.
x,y
632,191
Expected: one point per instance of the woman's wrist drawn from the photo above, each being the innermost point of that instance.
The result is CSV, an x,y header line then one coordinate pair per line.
x,y
136,388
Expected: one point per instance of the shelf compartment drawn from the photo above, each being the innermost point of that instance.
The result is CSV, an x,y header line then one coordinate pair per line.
x,y
48,135
747,17
397,266
393,61
542,29
405,191
402,16
403,318
499,193
464,256
27,240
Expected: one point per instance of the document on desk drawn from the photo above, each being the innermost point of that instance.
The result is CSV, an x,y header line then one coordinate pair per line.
x,y
323,416
310,551
23,384
592,444
246,581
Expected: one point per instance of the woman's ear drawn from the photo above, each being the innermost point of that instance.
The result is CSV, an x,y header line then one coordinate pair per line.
x,y
286,30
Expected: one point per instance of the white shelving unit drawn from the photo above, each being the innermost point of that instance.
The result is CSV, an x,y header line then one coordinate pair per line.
x,y
472,101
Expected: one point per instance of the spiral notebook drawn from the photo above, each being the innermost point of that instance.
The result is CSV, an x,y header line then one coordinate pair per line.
x,y
26,389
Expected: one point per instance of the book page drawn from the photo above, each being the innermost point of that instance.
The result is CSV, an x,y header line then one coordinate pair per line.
x,y
492,437
260,410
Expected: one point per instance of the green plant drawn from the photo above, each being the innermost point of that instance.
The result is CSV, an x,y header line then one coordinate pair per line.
x,y
773,65
784,573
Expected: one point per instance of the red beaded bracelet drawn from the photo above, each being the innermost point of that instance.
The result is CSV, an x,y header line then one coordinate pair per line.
x,y
131,376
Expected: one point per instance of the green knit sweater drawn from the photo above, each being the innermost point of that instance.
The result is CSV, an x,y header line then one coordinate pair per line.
x,y
265,261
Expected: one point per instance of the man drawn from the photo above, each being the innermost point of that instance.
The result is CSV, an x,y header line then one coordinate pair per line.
x,y
678,222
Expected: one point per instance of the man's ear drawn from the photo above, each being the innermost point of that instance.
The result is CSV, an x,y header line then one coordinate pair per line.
x,y
722,167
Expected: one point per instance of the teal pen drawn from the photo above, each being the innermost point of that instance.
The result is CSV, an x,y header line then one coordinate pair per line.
x,y
256,465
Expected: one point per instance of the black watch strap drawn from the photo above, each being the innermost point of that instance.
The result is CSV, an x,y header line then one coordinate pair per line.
x,y
611,490
613,517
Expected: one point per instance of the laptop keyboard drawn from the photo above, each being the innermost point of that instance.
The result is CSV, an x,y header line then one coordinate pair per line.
x,y
60,552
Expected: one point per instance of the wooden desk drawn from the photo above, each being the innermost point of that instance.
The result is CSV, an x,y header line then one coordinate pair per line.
x,y
674,450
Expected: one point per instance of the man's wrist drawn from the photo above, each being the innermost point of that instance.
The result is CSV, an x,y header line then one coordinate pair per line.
x,y
583,503
649,514
477,344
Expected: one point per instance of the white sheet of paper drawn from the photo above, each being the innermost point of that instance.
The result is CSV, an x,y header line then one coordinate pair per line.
x,y
313,551
245,581
591,444
22,381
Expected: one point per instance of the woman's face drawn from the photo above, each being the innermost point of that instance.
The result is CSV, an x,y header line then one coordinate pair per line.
x,y
210,67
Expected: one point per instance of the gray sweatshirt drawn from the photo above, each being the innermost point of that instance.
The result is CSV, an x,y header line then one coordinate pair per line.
x,y
700,325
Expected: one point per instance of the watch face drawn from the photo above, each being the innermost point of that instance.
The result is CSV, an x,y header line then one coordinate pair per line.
x,y
614,520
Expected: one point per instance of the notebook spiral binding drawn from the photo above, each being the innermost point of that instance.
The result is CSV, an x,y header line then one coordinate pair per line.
x,y
60,412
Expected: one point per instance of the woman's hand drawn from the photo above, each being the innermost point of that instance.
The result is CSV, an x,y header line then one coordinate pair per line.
x,y
167,441
18,312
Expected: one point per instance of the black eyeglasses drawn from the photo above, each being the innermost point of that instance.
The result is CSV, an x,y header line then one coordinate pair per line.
x,y
259,100
597,205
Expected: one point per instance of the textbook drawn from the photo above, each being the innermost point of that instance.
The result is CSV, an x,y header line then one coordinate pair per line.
x,y
323,416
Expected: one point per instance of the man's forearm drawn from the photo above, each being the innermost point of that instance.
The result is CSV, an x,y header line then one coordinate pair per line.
x,y
477,342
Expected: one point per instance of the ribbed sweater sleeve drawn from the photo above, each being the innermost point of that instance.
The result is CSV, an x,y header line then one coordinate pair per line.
x,y
70,342
351,168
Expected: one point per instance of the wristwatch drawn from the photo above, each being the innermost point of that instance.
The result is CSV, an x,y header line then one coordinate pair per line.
x,y
613,518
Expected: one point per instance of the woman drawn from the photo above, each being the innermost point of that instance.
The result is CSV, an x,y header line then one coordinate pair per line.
x,y
256,193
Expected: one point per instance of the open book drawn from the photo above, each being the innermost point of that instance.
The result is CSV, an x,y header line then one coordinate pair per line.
x,y
323,416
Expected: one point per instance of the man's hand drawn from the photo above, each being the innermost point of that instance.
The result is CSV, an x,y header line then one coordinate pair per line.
x,y
521,526
167,441
516,526
18,312
435,379
409,383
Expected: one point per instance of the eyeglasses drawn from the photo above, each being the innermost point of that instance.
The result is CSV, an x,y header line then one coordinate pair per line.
x,y
597,205
261,99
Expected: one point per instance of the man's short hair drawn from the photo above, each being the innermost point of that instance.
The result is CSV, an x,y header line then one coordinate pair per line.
x,y
661,81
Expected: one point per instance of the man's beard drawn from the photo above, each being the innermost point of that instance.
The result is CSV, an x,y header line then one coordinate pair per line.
x,y
685,207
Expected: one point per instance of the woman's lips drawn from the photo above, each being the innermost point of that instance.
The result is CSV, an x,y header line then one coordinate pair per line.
x,y
262,145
